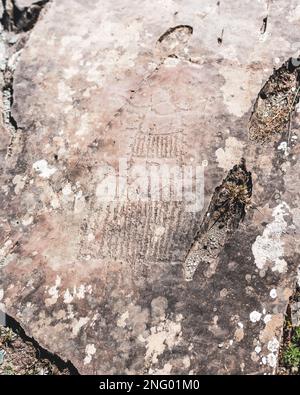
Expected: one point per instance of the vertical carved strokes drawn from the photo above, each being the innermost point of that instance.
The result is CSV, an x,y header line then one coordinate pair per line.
x,y
225,212
164,145
275,102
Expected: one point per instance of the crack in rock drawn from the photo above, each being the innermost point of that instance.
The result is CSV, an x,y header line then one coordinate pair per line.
x,y
226,210
275,102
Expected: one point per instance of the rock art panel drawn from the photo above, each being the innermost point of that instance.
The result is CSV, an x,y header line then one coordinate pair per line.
x,y
122,122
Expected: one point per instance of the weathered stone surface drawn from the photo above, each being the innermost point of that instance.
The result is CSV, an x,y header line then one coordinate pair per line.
x,y
295,313
102,284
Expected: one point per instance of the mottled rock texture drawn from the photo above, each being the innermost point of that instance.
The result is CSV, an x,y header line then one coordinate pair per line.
x,y
102,284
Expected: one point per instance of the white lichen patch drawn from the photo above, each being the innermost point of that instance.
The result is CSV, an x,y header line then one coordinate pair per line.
x,y
6,254
77,292
121,322
257,349
272,357
90,351
280,266
53,292
78,324
68,298
19,182
44,170
80,293
273,345
269,248
5,249
134,318
255,316
226,157
163,336
283,146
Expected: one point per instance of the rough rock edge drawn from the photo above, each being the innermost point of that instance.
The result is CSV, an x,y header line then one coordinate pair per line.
x,y
12,128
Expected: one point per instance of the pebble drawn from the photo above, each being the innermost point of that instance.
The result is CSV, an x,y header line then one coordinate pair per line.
x,y
2,355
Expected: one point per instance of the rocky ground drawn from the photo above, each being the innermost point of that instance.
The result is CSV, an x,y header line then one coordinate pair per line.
x,y
20,355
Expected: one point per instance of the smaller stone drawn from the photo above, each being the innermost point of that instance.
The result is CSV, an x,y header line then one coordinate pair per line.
x,y
2,355
295,313
257,349
255,316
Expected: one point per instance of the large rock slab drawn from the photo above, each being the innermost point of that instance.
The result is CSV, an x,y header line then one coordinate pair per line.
x,y
102,283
